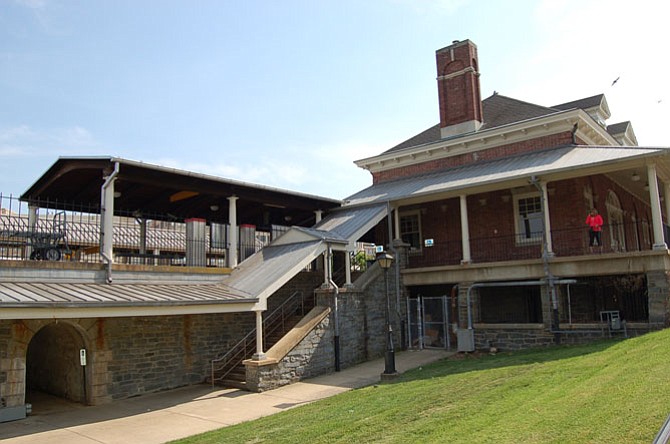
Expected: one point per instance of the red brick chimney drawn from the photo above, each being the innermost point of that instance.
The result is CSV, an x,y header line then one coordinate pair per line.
x,y
458,88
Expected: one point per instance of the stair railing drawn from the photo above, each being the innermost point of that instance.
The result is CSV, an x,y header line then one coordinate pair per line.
x,y
245,348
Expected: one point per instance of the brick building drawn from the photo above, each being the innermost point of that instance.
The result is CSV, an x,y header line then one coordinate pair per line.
x,y
484,212
492,203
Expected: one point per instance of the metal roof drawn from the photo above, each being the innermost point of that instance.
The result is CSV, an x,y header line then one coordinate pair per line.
x,y
540,163
266,271
161,193
29,294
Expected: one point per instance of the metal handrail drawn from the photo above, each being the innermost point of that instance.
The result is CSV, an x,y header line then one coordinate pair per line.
x,y
663,435
243,349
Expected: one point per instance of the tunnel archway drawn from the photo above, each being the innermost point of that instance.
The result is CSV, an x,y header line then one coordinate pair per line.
x,y
53,365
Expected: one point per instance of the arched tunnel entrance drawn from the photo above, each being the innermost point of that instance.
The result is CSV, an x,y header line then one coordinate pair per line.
x,y
53,365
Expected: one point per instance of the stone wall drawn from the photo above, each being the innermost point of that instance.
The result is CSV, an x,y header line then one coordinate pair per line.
x,y
126,356
358,314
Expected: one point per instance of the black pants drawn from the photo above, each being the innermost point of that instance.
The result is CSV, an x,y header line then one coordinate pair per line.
x,y
594,238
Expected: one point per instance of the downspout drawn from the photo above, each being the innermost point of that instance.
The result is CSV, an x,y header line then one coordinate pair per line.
x,y
336,342
109,181
397,274
555,327
574,133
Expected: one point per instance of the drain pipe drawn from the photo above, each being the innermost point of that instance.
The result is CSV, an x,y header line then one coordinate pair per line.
x,y
396,264
545,262
336,342
107,201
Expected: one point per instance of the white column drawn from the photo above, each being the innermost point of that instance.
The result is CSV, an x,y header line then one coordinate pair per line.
x,y
108,221
465,230
547,219
396,221
32,225
318,263
655,202
259,355
667,201
347,269
232,231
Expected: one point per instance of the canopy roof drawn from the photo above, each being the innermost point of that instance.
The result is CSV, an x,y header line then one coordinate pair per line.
x,y
74,184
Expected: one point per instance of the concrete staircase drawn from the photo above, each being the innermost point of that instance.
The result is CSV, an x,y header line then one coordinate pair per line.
x,y
229,370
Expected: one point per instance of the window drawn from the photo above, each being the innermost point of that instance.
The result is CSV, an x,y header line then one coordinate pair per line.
x,y
528,215
616,225
410,229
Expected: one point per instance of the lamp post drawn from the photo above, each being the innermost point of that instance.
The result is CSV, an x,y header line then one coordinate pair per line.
x,y
385,260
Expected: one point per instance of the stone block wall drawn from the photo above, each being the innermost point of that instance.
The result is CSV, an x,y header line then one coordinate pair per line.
x,y
362,327
126,356
313,356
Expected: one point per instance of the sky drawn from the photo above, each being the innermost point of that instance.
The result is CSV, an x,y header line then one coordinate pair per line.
x,y
290,93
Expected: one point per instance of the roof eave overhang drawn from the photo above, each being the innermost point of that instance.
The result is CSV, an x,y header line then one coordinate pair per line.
x,y
587,130
661,160
111,310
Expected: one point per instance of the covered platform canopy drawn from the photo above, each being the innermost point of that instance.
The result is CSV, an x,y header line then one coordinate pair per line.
x,y
161,193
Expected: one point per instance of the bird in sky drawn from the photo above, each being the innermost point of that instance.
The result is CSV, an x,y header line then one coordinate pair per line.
x,y
615,80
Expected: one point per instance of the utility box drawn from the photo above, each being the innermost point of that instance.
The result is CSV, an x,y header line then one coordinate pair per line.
x,y
466,339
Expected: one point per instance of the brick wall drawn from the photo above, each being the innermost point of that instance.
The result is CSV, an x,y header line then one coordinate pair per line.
x,y
502,151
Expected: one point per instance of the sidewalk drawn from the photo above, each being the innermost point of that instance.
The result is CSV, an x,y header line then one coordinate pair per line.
x,y
165,416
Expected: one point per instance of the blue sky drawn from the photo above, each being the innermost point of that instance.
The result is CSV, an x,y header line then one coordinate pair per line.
x,y
288,94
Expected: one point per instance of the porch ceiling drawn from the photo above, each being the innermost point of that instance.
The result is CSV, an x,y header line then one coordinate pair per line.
x,y
170,194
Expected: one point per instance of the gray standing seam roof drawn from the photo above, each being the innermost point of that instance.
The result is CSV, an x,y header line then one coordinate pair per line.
x,y
526,165
29,294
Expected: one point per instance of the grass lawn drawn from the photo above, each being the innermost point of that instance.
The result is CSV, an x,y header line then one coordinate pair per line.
x,y
608,392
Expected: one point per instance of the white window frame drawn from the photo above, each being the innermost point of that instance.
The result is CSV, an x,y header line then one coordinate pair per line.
x,y
520,236
416,213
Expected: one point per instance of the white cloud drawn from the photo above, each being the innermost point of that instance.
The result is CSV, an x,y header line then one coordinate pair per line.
x,y
584,45
23,140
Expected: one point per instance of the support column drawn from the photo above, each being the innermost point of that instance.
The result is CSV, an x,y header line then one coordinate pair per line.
x,y
32,226
107,228
259,355
396,221
465,231
143,235
232,232
655,202
666,189
347,269
318,214
547,218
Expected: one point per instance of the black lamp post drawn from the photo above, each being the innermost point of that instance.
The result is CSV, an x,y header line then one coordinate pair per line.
x,y
385,260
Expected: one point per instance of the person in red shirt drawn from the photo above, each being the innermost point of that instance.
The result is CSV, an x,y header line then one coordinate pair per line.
x,y
595,223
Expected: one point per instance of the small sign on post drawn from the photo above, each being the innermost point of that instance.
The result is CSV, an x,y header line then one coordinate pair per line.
x,y
82,357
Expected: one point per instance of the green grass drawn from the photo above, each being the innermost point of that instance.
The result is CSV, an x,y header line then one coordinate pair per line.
x,y
600,393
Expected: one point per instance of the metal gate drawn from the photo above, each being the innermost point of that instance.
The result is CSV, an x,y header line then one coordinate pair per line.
x,y
428,320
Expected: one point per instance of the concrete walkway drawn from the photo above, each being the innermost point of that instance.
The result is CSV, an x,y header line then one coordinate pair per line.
x,y
174,414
